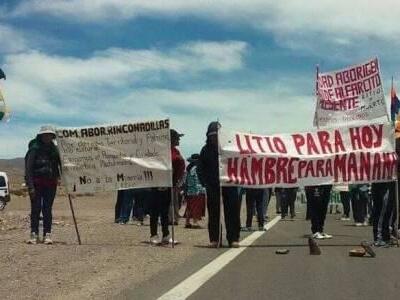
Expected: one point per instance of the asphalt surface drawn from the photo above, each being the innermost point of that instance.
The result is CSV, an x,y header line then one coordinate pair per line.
x,y
260,273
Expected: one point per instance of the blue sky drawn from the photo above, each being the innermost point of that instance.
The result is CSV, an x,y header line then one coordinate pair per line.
x,y
250,64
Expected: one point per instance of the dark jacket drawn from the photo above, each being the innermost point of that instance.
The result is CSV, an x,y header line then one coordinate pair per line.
x,y
207,168
42,162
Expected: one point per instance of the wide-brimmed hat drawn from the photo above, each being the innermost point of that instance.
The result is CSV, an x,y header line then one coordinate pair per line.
x,y
47,129
194,157
176,134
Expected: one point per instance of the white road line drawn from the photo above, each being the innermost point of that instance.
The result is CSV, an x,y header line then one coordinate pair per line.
x,y
196,280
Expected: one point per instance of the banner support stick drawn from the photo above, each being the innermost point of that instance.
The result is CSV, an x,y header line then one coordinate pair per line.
x,y
73,216
396,213
172,217
220,217
219,244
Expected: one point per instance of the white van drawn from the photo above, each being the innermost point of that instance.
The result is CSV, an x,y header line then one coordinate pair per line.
x,y
4,190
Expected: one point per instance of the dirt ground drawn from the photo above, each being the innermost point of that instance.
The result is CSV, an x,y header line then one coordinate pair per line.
x,y
112,257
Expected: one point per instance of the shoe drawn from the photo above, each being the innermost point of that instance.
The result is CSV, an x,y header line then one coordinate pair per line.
x,y
358,224
246,229
326,236
262,228
47,239
34,239
365,223
154,240
367,247
344,218
213,245
196,226
381,244
188,225
165,239
139,223
318,236
234,244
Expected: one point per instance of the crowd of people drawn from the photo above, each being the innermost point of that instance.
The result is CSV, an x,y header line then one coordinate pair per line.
x,y
197,183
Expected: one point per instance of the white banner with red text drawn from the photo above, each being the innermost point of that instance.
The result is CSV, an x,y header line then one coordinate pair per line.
x,y
118,156
351,95
359,154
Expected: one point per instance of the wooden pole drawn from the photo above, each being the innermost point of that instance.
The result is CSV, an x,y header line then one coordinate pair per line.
x,y
396,223
73,216
220,217
220,194
173,216
317,95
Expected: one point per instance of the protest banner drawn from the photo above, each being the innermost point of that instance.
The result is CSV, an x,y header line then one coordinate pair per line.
x,y
112,157
359,154
350,95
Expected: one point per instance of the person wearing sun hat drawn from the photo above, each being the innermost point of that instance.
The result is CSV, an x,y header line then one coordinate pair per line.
x,y
42,172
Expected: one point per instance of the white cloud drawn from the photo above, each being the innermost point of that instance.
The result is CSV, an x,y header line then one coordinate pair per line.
x,y
351,18
102,88
115,65
255,110
38,82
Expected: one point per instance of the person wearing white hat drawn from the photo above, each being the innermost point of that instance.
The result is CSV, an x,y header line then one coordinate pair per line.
x,y
42,171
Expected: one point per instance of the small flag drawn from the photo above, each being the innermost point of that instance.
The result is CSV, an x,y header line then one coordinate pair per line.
x,y
394,104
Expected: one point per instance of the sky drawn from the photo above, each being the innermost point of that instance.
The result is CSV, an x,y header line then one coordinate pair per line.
x,y
249,64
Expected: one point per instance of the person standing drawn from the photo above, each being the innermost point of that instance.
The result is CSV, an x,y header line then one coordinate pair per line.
x,y
318,199
278,202
42,172
359,201
178,170
208,171
267,198
344,193
160,201
126,205
255,201
288,199
140,197
383,202
195,194
118,206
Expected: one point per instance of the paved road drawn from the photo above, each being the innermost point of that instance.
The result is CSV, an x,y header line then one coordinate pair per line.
x,y
259,273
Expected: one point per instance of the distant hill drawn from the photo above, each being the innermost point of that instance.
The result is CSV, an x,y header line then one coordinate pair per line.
x,y
18,163
15,169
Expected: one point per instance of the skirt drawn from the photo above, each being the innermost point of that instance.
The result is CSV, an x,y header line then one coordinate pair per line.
x,y
195,206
